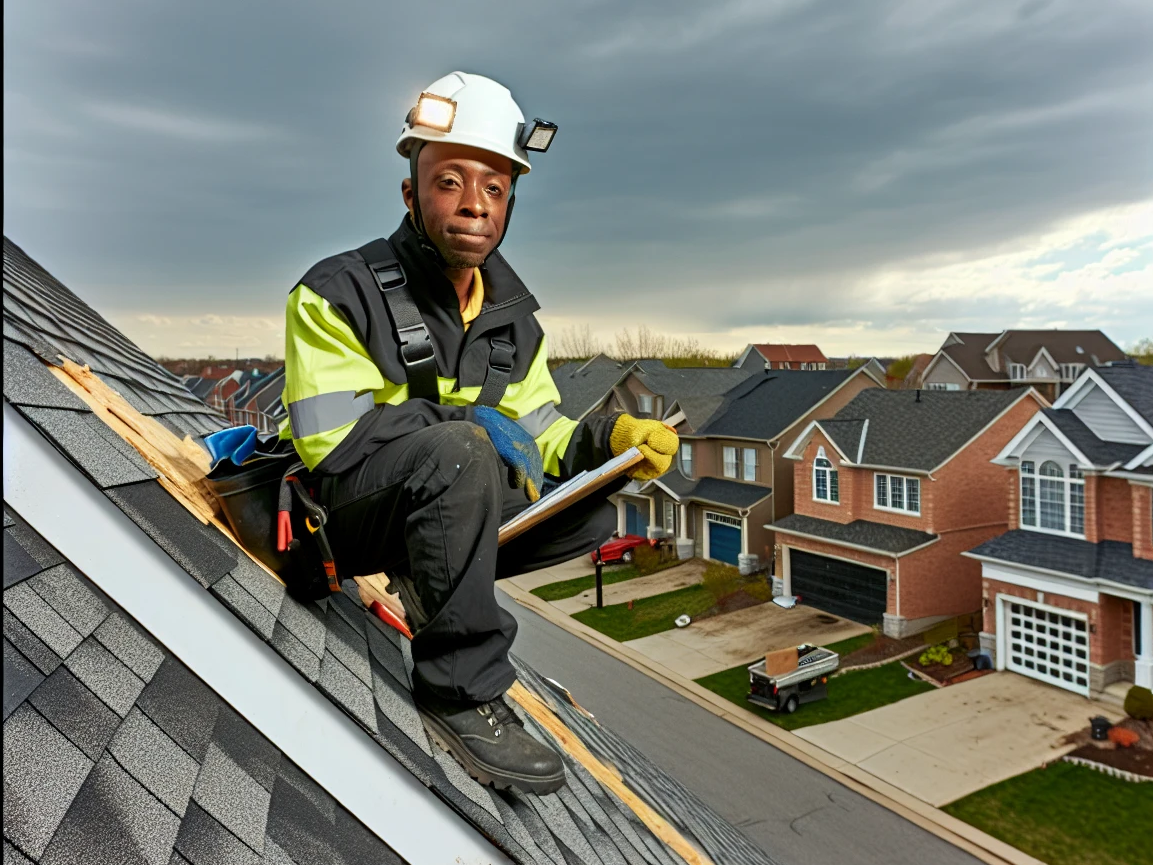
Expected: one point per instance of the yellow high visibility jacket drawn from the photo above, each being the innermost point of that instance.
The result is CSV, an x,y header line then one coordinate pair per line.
x,y
345,383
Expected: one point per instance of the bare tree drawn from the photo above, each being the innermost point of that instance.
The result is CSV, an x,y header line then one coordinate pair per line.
x,y
577,343
643,343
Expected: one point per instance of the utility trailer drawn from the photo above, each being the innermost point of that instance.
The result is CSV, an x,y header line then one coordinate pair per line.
x,y
803,684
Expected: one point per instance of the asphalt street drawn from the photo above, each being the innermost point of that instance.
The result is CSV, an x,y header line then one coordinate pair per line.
x,y
795,813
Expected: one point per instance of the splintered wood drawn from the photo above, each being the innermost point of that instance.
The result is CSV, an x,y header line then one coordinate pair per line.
x,y
575,748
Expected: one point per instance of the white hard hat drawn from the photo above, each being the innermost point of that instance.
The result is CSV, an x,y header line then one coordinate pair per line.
x,y
470,109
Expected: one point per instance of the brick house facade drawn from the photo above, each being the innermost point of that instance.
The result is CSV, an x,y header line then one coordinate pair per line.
x,y
1077,559
856,547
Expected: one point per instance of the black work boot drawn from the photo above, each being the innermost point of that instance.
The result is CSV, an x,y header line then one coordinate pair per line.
x,y
490,742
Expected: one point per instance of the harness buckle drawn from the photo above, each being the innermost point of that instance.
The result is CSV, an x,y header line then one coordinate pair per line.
x,y
501,354
415,344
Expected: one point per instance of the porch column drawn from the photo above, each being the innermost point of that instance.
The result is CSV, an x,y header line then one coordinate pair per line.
x,y
786,572
1143,665
622,522
684,532
656,529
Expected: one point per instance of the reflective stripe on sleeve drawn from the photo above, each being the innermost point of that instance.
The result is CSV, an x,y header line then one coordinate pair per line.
x,y
538,420
327,411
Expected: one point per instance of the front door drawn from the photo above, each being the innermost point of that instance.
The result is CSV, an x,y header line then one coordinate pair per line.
x,y
1046,643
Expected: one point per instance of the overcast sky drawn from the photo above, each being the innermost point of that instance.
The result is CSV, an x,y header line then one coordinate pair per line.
x,y
864,175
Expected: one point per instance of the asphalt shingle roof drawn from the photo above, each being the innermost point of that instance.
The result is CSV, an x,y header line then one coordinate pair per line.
x,y
919,430
582,384
66,643
674,383
767,403
1102,453
121,754
1134,384
1106,560
862,533
1021,346
720,491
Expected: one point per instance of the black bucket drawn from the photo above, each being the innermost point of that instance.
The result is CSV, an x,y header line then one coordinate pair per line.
x,y
249,497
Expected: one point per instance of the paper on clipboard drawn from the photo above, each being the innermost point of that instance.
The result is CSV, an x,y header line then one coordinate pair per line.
x,y
570,492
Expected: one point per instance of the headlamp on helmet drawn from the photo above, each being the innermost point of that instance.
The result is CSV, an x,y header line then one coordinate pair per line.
x,y
435,112
537,135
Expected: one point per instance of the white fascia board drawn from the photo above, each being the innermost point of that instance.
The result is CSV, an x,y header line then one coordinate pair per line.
x,y
861,443
666,490
1070,398
796,450
1027,435
674,419
1132,477
1038,579
1044,351
112,551
1040,419
1142,459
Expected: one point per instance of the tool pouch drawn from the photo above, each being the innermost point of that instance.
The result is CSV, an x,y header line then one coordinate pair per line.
x,y
251,496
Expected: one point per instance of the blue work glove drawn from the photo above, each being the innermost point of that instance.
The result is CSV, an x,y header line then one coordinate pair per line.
x,y
516,448
235,443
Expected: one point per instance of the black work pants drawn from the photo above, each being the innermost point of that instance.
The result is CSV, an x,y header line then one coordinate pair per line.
x,y
425,510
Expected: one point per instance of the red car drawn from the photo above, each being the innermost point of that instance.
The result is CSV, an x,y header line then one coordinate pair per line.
x,y
619,548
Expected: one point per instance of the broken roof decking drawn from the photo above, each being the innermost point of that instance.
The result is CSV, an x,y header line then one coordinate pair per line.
x,y
363,668
114,751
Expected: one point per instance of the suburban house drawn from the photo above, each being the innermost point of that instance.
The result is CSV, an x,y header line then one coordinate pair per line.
x,y
1068,590
584,383
648,388
730,478
758,357
1048,360
258,403
165,699
887,494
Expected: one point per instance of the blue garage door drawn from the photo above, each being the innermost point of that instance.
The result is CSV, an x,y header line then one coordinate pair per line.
x,y
635,523
724,538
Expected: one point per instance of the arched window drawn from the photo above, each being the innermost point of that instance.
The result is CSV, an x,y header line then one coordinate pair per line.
x,y
826,487
1053,499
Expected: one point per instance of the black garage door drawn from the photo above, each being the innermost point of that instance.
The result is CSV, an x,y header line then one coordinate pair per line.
x,y
841,588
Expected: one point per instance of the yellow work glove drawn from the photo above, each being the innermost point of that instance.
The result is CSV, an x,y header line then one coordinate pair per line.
x,y
655,440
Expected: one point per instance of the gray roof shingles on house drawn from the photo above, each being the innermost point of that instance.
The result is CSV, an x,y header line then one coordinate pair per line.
x,y
918,430
862,533
767,403
1107,560
583,384
718,491
675,382
1133,383
110,740
114,751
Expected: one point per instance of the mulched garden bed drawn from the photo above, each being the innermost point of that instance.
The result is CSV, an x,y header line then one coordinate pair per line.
x,y
881,649
1137,759
962,664
738,600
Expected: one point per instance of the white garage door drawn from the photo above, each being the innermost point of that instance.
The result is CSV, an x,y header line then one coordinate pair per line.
x,y
1047,643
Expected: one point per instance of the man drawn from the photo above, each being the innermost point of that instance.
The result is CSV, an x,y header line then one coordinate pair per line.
x,y
418,391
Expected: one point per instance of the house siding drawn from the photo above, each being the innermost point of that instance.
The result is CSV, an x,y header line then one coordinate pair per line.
x,y
945,372
1107,420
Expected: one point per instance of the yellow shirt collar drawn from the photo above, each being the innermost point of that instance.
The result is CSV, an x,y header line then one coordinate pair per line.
x,y
475,299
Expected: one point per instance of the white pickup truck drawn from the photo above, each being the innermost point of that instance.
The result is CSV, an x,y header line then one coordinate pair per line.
x,y
804,684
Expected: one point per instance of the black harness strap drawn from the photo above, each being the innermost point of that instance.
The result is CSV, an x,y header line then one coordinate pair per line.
x,y
416,352
501,354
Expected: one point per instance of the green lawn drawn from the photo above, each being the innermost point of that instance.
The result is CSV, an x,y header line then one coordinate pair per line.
x,y
1065,815
569,588
648,615
849,694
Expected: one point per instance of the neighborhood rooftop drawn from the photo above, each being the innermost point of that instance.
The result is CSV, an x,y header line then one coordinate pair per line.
x,y
917,430
126,778
971,351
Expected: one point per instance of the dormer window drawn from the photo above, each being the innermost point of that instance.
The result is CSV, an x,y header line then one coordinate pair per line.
x,y
826,484
1017,371
645,403
1070,371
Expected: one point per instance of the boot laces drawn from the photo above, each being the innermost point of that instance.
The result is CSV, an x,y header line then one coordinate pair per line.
x,y
499,715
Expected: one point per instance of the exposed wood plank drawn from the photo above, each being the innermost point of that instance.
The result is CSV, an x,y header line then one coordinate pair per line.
x,y
576,749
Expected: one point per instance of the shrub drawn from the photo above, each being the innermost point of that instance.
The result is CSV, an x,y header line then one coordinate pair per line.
x,y
1139,703
646,560
937,655
720,579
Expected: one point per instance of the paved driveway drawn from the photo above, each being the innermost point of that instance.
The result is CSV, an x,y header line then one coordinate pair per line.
x,y
721,642
950,742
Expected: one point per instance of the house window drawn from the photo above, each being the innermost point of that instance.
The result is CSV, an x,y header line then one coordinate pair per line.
x,y
670,517
1028,493
820,366
730,460
1053,499
942,385
749,464
897,493
826,484
645,403
687,459
1070,371
1017,371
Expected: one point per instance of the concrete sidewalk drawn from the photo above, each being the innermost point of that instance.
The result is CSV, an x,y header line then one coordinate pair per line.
x,y
721,642
947,743
668,580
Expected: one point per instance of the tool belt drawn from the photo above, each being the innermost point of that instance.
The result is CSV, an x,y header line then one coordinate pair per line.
x,y
268,502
